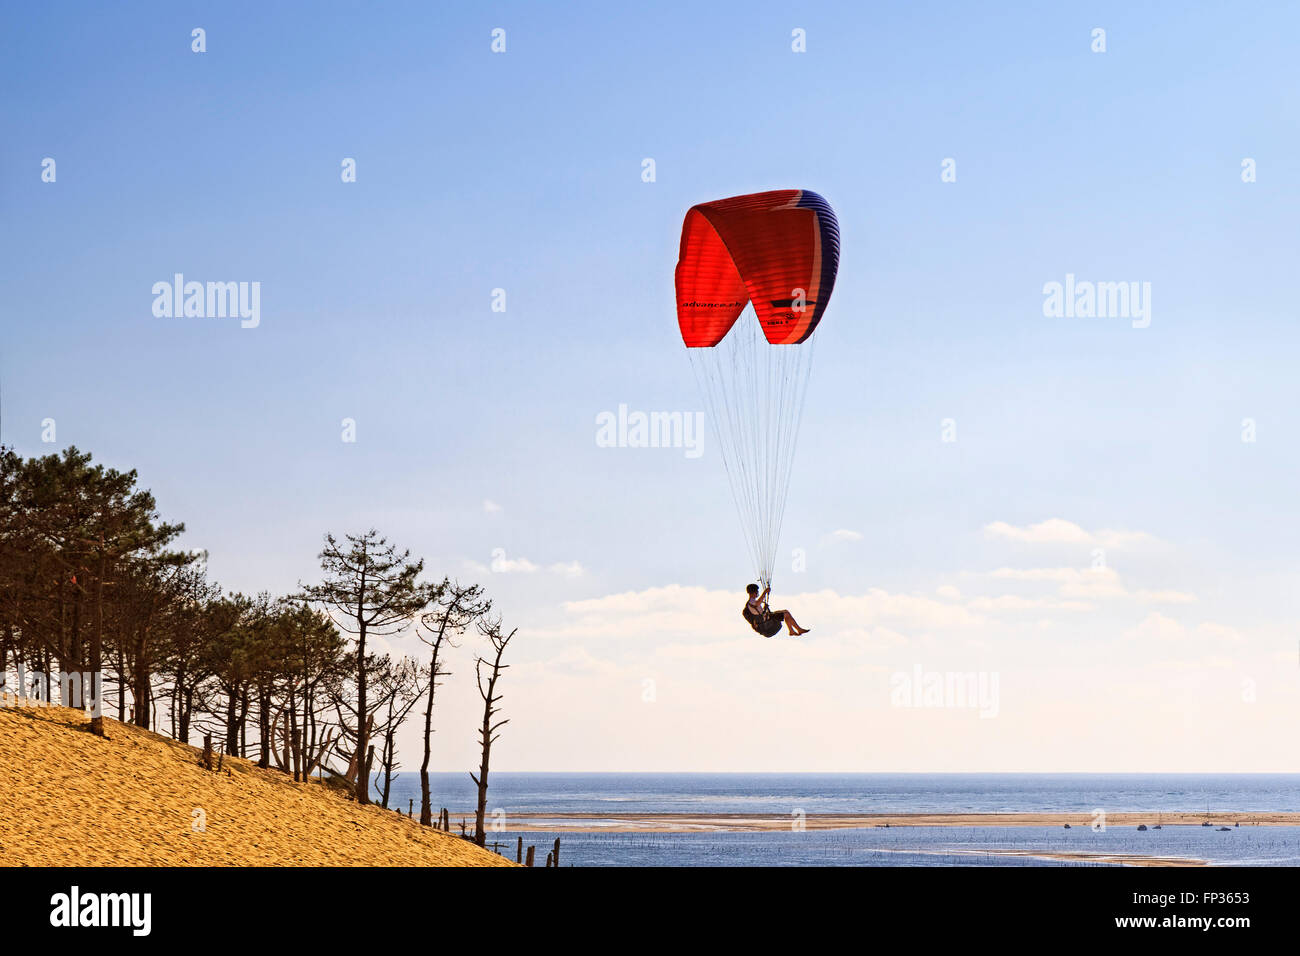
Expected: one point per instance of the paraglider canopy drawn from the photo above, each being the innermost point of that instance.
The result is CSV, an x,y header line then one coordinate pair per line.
x,y
778,251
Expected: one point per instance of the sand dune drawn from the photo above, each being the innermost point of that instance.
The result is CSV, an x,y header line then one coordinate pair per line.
x,y
68,798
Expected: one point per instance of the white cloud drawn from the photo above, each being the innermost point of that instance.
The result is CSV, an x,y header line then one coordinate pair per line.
x,y
1166,597
707,667
1060,531
1091,583
1197,664
576,660
491,507
1219,634
1110,538
1071,582
1051,531
1014,602
875,638
503,565
842,534
1157,626
500,564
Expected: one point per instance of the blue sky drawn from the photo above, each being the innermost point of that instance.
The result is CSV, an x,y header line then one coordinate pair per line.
x,y
522,171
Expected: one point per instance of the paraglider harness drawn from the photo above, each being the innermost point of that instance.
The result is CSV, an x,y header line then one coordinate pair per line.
x,y
765,622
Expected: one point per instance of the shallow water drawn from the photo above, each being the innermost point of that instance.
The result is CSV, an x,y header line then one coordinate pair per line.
x,y
518,793
913,846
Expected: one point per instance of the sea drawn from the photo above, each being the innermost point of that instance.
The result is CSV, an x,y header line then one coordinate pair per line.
x,y
516,800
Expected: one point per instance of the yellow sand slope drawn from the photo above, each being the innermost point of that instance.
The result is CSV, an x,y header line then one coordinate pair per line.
x,y
68,798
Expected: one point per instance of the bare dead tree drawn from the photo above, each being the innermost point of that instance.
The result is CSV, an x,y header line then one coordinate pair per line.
x,y
309,753
491,629
455,608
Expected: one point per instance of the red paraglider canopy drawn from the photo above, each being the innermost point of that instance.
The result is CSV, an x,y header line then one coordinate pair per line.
x,y
779,250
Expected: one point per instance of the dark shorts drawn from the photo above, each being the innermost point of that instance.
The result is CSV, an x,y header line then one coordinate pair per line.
x,y
769,625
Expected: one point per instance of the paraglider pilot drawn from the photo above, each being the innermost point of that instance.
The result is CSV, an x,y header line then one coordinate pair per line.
x,y
766,621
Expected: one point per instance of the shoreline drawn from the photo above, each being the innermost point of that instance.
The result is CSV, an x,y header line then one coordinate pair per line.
x,y
760,822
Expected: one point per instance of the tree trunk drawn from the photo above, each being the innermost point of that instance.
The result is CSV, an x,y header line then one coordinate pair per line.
x,y
232,727
388,767
97,648
363,728
426,804
264,726
177,689
78,652
487,732
294,741
363,773
187,708
480,812
121,685
141,692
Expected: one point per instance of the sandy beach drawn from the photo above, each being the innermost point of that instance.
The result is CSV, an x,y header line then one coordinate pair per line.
x,y
136,798
1122,859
